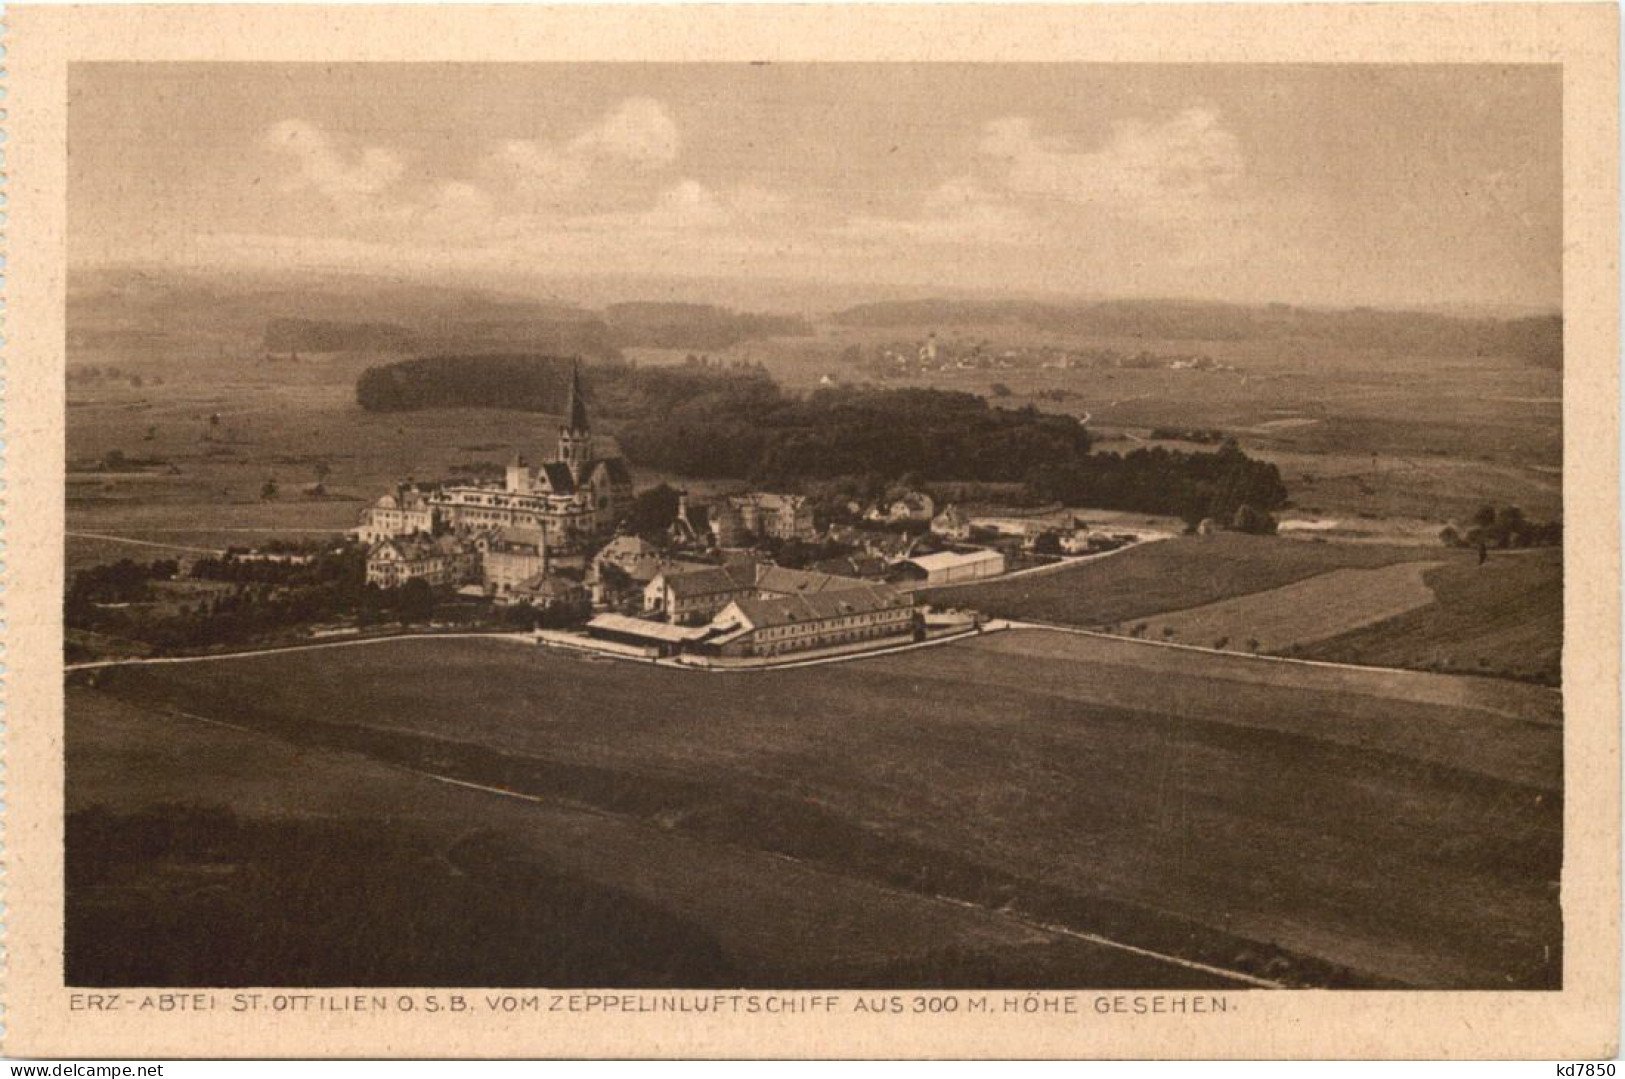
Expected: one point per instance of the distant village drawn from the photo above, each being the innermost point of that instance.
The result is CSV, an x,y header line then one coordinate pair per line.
x,y
934,354
546,536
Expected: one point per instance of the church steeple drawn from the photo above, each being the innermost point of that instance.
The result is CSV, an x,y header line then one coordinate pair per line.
x,y
575,437
577,410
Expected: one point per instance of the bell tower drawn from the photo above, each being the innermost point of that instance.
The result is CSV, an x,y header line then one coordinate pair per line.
x,y
575,437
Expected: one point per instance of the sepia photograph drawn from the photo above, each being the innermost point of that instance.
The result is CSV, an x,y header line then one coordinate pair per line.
x,y
803,525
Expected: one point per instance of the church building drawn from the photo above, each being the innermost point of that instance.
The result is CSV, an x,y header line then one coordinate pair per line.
x,y
573,498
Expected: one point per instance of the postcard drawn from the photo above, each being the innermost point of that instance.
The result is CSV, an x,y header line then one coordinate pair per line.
x,y
801,531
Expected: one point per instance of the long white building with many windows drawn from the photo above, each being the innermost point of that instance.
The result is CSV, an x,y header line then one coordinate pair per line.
x,y
575,497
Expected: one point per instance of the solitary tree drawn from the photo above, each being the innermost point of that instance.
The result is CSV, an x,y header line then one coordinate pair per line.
x,y
416,601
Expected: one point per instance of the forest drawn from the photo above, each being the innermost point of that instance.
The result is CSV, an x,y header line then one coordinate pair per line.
x,y
713,421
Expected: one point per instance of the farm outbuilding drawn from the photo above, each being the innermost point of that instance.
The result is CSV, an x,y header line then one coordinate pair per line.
x,y
949,567
656,638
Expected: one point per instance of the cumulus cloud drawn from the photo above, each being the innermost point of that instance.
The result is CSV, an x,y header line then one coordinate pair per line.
x,y
1021,186
688,204
691,204
639,134
324,166
639,131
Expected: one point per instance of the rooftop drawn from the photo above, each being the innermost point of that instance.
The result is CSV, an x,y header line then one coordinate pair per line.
x,y
949,559
641,627
787,610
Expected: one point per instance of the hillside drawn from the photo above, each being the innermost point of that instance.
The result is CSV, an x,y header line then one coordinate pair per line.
x,y
322,313
325,335
1537,339
694,325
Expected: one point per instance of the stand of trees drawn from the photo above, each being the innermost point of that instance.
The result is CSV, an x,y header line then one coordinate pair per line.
x,y
1226,486
263,598
535,383
750,429
737,423
1503,527
124,581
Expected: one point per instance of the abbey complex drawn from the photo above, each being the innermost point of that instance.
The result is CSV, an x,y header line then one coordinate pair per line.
x,y
570,500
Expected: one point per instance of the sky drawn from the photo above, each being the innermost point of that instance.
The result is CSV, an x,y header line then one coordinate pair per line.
x,y
1331,185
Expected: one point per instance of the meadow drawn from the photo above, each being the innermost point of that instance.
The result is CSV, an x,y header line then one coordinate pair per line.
x,y
1505,617
1355,432
209,853
1297,614
1173,575
1417,607
1306,825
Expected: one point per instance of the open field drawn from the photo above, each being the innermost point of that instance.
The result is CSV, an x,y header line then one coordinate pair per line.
x,y
1354,431
276,422
1505,617
1279,619
507,892
1312,825
1366,434
1174,575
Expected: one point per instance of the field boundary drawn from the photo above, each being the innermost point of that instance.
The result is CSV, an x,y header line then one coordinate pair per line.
x,y
992,626
109,538
1275,595
1326,663
352,642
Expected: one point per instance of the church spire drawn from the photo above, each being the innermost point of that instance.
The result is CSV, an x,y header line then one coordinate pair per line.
x,y
577,410
575,437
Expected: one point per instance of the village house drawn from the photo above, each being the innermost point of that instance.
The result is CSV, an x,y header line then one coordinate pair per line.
x,y
691,527
626,565
915,506
439,560
403,512
762,514
1078,541
510,556
627,554
863,566
890,546
547,592
951,524
782,624
690,595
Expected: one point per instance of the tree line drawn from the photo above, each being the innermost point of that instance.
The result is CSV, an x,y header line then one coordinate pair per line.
x,y
736,422
1225,486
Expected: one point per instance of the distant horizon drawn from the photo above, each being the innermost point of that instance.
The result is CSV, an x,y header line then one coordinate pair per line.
x,y
626,288
1397,187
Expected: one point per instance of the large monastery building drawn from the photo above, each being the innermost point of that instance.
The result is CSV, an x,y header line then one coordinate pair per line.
x,y
574,497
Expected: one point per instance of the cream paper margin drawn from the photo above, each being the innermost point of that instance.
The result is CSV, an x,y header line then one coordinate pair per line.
x,y
1579,1021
